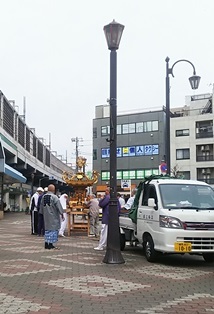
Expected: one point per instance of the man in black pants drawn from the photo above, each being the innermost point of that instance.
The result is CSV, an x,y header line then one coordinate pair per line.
x,y
34,210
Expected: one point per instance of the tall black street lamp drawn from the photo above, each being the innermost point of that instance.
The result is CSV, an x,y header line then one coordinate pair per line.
x,y
113,33
194,82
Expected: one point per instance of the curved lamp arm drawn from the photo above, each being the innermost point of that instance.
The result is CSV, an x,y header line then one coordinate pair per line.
x,y
171,69
194,80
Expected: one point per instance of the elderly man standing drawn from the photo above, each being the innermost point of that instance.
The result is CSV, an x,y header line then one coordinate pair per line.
x,y
93,206
51,209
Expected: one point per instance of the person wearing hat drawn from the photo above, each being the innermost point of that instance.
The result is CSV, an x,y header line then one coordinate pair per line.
x,y
41,224
34,210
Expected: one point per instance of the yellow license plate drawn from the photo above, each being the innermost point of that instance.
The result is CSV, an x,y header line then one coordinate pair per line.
x,y
182,247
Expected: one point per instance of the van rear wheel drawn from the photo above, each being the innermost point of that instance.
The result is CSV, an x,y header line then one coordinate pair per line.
x,y
208,257
150,253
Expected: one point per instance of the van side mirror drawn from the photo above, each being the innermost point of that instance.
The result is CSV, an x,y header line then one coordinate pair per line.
x,y
151,203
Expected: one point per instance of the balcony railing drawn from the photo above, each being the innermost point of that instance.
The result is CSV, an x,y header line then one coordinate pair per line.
x,y
204,134
205,158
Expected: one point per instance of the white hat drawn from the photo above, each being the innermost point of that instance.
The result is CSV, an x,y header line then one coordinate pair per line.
x,y
40,189
46,189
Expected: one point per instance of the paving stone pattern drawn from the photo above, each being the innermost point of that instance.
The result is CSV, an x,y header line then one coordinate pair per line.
x,y
75,280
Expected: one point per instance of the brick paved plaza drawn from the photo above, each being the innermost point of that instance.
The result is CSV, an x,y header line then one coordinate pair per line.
x,y
74,279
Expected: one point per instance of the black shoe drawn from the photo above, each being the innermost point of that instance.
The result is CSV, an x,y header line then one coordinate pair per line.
x,y
52,247
47,245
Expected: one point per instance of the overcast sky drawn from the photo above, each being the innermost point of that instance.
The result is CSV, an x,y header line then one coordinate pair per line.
x,y
54,53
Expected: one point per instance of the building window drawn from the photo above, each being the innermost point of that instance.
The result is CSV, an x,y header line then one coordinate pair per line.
x,y
148,172
94,132
132,174
119,129
204,129
140,174
94,154
139,127
184,174
148,126
155,172
119,151
182,153
105,153
126,174
128,128
132,128
125,128
105,130
119,175
154,125
148,150
184,132
131,151
139,150
105,175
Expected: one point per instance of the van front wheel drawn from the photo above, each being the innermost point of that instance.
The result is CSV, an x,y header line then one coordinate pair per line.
x,y
150,253
208,257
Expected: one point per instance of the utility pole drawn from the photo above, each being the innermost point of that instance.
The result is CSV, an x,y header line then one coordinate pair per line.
x,y
76,140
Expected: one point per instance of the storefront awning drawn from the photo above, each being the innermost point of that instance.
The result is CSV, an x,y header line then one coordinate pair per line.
x,y
13,176
7,173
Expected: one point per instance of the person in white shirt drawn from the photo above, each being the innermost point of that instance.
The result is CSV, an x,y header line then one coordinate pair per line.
x,y
121,200
130,201
63,200
34,210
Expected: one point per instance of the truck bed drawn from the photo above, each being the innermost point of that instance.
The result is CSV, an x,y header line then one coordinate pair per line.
x,y
126,222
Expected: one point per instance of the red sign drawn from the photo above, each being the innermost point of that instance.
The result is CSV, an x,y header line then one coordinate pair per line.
x,y
163,167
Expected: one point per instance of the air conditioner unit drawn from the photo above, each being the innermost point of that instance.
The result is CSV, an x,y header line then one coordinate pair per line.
x,y
203,171
202,148
207,147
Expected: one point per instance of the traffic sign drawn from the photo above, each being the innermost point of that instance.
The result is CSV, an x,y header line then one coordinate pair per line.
x,y
125,184
163,167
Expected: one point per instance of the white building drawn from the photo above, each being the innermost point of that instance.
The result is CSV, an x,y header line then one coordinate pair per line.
x,y
191,137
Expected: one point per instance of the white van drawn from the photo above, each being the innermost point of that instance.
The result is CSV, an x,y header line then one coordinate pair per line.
x,y
172,216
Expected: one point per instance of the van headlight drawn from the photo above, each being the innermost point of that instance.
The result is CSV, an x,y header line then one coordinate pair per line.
x,y
170,222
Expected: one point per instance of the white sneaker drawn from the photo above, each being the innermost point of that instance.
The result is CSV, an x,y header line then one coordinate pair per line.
x,y
91,235
98,248
61,235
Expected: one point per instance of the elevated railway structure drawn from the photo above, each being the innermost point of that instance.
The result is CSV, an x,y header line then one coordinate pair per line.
x,y
25,161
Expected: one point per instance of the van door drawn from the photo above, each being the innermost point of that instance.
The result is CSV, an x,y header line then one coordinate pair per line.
x,y
148,217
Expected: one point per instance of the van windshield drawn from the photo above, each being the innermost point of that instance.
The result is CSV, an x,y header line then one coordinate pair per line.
x,y
175,196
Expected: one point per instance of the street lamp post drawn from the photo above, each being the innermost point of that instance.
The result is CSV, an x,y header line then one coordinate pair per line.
x,y
113,33
194,82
